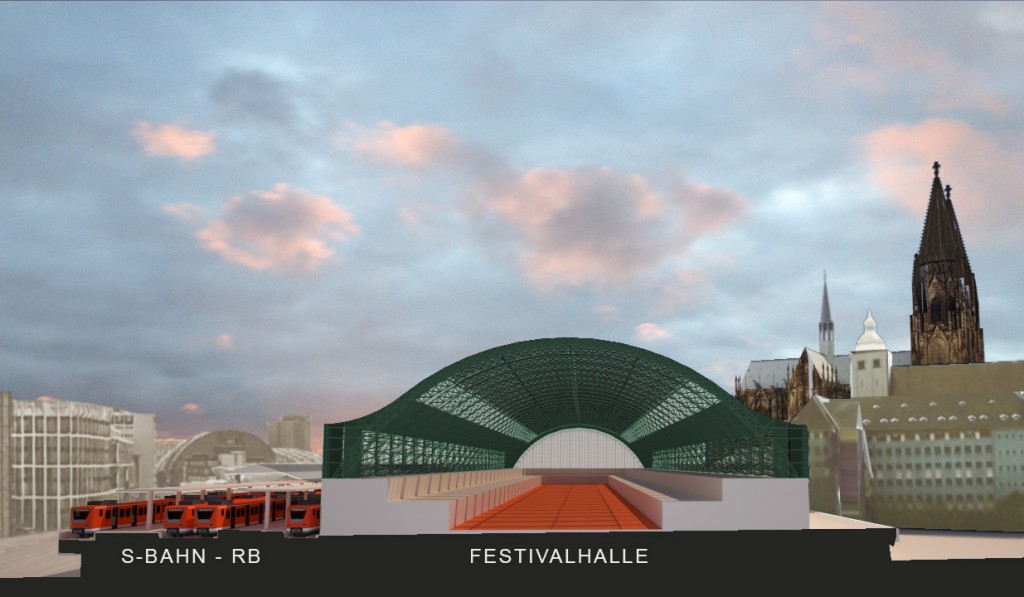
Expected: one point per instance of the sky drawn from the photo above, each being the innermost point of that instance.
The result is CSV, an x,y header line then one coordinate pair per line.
x,y
223,213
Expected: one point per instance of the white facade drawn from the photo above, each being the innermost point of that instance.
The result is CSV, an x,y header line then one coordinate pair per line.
x,y
63,454
870,364
578,448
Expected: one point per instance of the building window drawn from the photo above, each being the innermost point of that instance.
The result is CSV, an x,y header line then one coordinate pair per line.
x,y
877,364
860,365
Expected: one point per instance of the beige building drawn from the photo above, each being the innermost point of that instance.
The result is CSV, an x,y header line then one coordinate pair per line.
x,y
58,453
949,456
290,431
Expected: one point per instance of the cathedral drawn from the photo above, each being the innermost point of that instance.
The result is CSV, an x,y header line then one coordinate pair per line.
x,y
930,437
944,329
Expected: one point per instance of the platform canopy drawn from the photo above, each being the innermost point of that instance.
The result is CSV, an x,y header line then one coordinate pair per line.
x,y
484,411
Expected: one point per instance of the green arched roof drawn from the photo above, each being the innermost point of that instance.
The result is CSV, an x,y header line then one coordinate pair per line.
x,y
487,409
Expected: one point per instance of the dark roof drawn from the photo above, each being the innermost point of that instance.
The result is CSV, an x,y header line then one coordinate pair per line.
x,y
940,238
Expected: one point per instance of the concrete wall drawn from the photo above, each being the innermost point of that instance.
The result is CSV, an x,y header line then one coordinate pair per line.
x,y
416,504
710,503
422,504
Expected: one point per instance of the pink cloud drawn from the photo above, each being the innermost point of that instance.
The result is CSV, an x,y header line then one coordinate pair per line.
x,y
588,225
981,171
225,342
650,332
186,212
172,140
868,46
708,209
593,225
412,145
281,228
580,226
190,407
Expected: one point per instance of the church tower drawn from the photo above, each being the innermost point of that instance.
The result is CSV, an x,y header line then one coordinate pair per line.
x,y
870,363
944,324
826,330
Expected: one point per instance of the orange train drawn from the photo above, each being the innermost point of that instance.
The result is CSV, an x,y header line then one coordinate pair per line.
x,y
304,516
218,515
100,515
180,519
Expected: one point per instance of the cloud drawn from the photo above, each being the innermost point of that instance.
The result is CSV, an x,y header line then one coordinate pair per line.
x,y
708,209
45,398
580,226
225,342
190,407
281,228
172,140
569,227
253,94
981,171
687,287
412,145
594,225
870,47
650,332
606,312
186,212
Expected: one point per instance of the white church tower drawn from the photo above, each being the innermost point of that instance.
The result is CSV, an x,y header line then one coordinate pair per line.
x,y
870,364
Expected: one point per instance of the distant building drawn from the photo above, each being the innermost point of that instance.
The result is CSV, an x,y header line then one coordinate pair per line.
x,y
291,431
57,453
780,388
207,456
139,430
216,456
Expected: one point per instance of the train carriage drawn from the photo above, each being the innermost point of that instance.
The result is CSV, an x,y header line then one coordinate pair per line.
x,y
101,515
304,517
212,517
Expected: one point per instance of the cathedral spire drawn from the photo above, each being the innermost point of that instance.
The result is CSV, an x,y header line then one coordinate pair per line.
x,y
944,325
826,329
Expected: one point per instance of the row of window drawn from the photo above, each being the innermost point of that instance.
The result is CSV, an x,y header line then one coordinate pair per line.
x,y
932,450
942,435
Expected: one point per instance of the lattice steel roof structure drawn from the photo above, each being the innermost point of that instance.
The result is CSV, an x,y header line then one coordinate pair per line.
x,y
484,411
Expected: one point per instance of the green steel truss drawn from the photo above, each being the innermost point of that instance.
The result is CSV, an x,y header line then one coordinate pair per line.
x,y
484,411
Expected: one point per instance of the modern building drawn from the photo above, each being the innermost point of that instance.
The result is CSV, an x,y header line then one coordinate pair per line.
x,y
290,431
139,430
57,453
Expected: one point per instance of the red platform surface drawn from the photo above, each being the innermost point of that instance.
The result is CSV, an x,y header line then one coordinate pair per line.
x,y
562,507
